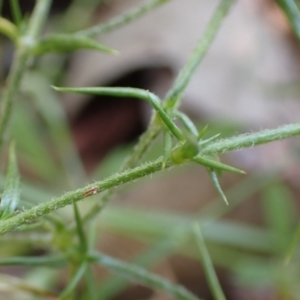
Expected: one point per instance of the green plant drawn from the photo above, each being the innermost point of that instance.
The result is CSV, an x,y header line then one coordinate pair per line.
x,y
73,244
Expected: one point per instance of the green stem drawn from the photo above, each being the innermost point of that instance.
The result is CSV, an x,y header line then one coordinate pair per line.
x,y
38,18
220,146
180,84
9,95
119,21
130,162
141,275
50,261
175,93
80,230
209,270
73,283
292,12
16,12
250,140
19,64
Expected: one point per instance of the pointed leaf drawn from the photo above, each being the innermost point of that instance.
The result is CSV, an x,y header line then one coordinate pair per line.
x,y
167,147
61,43
8,29
216,184
208,267
11,193
187,122
130,92
216,165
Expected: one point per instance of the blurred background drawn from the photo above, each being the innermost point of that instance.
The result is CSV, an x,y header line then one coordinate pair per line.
x,y
248,81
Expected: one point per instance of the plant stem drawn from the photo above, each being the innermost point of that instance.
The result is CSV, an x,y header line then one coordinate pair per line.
x,y
50,261
175,93
250,140
72,197
292,12
16,12
209,270
220,146
138,151
21,57
135,273
9,95
119,21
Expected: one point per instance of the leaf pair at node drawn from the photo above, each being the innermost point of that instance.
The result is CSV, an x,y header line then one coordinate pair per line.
x,y
189,139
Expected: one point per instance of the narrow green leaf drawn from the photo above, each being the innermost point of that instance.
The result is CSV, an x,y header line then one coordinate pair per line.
x,y
216,165
16,12
11,193
167,147
74,281
216,183
130,92
132,272
80,229
209,270
8,29
61,43
187,123
203,142
202,132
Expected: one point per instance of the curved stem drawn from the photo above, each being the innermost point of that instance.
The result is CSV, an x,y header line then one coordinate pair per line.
x,y
250,140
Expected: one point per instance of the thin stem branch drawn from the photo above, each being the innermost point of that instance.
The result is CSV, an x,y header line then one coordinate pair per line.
x,y
175,93
132,272
38,18
178,87
138,152
220,146
21,57
119,21
74,196
252,139
10,93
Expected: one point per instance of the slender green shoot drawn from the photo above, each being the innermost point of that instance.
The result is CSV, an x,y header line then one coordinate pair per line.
x,y
138,274
18,67
175,93
121,20
80,230
129,92
74,281
215,180
52,261
167,147
209,270
187,123
9,29
16,12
